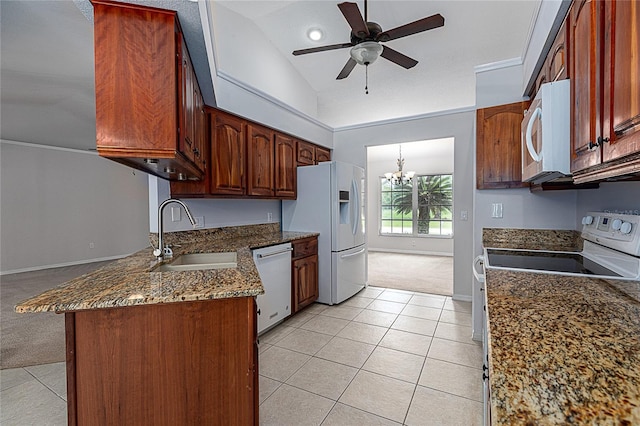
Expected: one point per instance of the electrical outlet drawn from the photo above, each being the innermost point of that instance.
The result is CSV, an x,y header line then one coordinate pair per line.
x,y
464,215
91,245
269,217
199,221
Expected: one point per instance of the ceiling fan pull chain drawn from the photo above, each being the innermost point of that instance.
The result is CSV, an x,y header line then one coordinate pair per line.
x,y
366,79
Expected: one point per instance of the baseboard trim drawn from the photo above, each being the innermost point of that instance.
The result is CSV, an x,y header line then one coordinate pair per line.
x,y
428,253
60,265
462,297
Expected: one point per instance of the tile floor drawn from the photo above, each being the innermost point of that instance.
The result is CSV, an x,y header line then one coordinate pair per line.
x,y
383,357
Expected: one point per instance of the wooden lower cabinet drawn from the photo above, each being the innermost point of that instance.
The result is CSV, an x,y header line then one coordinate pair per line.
x,y
167,364
304,275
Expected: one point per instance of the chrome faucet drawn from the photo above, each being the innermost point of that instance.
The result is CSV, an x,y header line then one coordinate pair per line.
x,y
163,252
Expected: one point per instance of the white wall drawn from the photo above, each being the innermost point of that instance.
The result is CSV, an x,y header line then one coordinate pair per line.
x,y
55,202
350,145
610,196
424,157
216,212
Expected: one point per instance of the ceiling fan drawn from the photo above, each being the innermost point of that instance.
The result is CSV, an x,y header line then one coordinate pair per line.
x,y
367,36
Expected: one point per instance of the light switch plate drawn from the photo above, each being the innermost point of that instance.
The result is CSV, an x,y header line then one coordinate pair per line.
x,y
199,221
175,214
496,210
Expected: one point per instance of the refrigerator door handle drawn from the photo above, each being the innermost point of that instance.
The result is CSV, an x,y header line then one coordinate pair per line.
x,y
356,207
344,256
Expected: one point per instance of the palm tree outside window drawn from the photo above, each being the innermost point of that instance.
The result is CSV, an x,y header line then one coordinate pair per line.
x,y
422,206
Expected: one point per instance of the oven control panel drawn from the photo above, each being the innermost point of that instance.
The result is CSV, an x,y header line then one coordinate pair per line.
x,y
614,230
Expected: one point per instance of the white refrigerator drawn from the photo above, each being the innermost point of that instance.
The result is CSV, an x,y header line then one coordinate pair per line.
x,y
331,202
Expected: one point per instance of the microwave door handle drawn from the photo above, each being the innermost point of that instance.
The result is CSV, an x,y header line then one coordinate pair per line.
x,y
532,151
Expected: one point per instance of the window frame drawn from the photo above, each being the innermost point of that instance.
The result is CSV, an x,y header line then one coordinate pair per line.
x,y
414,210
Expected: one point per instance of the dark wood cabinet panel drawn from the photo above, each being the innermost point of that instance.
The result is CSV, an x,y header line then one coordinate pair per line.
x,y
304,273
557,59
305,281
621,120
138,81
585,106
260,177
605,75
228,154
498,147
306,154
174,363
322,155
285,166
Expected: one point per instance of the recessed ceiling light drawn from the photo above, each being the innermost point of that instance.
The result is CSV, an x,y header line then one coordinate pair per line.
x,y
315,34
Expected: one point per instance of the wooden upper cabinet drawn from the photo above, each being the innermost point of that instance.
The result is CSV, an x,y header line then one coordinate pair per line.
x,y
585,16
605,76
191,130
322,155
285,166
621,120
260,164
498,147
228,154
138,50
306,154
557,58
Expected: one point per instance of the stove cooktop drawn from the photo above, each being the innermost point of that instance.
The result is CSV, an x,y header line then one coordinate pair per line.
x,y
558,262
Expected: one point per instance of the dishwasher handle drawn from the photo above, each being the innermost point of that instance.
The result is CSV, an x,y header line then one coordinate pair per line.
x,y
276,253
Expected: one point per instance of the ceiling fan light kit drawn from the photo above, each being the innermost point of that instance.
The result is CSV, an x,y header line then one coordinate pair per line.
x,y
365,39
366,52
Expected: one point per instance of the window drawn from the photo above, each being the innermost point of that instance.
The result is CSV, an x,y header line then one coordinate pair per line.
x,y
420,207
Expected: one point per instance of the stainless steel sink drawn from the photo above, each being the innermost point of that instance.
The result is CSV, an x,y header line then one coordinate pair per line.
x,y
199,261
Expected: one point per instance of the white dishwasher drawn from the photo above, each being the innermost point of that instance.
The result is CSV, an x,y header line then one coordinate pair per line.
x,y
274,267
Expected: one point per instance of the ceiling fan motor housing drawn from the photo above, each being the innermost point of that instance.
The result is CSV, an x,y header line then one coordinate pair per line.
x,y
374,30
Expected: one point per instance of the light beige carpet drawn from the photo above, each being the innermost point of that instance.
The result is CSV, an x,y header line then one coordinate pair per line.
x,y
413,272
31,339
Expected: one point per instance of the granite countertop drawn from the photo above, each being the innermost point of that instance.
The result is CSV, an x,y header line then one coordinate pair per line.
x,y
562,350
132,280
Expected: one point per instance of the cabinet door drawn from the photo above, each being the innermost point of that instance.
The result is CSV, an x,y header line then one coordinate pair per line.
x,y
558,56
201,130
227,154
285,170
306,154
305,281
498,147
187,128
621,121
259,161
585,105
322,155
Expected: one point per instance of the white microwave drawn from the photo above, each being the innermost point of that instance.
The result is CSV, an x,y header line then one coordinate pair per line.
x,y
545,134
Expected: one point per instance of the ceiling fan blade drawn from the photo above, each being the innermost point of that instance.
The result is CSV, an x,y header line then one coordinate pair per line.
x,y
348,67
398,58
415,27
321,48
354,18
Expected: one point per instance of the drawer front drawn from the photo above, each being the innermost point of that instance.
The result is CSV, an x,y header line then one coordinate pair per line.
x,y
305,248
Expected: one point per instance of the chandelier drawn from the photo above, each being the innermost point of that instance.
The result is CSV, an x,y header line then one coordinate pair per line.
x,y
399,177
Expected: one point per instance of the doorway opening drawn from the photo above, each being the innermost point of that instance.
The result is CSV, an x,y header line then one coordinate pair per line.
x,y
410,215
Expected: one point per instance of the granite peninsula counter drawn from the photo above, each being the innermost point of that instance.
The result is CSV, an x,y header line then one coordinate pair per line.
x,y
562,350
132,280
147,347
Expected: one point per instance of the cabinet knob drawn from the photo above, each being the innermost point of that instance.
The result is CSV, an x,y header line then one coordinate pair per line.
x,y
196,152
258,311
602,140
593,144
484,377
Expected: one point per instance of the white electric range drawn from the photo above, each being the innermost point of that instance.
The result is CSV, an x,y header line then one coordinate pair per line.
x,y
611,250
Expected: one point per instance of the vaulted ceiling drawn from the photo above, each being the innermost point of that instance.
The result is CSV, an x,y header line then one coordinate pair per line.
x,y
47,59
